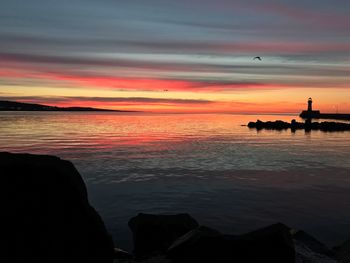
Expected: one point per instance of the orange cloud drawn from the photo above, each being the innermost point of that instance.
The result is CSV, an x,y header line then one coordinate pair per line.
x,y
164,105
141,84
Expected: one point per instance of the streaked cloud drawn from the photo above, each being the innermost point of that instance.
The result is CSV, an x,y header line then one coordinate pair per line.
x,y
155,104
140,100
195,46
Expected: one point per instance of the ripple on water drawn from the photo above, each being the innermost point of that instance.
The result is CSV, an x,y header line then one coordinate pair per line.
x,y
226,175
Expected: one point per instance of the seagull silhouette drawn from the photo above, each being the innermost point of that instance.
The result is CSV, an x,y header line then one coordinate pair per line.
x,y
259,58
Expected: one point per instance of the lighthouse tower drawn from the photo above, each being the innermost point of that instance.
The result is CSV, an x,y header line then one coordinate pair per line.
x,y
309,113
309,105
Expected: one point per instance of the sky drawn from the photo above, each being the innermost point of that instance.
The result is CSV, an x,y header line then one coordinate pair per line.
x,y
177,56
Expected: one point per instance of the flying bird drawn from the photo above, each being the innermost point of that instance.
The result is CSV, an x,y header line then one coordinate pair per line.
x,y
259,58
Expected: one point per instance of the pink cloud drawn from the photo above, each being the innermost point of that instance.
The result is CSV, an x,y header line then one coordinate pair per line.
x,y
324,19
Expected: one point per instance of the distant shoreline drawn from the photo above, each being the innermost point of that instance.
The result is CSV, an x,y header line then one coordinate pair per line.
x,y
70,110
20,106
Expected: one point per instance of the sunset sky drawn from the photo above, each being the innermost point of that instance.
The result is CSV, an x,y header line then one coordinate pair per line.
x,y
177,56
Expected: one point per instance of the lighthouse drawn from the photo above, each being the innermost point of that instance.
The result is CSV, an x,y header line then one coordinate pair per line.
x,y
309,113
316,114
309,105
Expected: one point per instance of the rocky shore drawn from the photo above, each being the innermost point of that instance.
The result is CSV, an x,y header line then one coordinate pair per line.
x,y
294,125
48,218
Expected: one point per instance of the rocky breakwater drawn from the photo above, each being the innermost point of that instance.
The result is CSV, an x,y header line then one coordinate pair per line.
x,y
294,125
47,214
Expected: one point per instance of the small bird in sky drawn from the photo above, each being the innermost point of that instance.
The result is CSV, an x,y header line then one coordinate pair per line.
x,y
259,58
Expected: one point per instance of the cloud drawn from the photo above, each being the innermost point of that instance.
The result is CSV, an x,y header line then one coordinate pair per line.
x,y
320,18
177,74
97,80
117,100
162,104
209,46
304,44
33,76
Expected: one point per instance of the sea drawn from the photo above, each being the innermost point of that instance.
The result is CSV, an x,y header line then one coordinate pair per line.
x,y
212,166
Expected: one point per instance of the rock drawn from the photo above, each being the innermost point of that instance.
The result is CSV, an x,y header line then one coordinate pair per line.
x,y
191,237
309,250
153,234
157,259
47,213
121,254
342,252
277,125
325,126
304,254
195,245
304,239
272,244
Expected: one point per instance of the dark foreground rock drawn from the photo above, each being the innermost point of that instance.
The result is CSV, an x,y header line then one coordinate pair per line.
x,y
153,234
294,125
47,214
309,250
312,243
342,252
272,244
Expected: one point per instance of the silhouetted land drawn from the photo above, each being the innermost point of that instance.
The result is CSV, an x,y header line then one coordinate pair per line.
x,y
48,218
294,125
318,115
20,106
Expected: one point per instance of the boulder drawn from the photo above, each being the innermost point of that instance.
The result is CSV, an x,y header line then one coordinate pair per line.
x,y
309,250
47,214
342,252
120,254
304,239
153,234
198,244
272,244
304,254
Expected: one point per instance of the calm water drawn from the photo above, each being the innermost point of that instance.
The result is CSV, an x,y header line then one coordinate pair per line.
x,y
227,176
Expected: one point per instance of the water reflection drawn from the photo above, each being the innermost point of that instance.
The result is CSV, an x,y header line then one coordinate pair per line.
x,y
226,175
